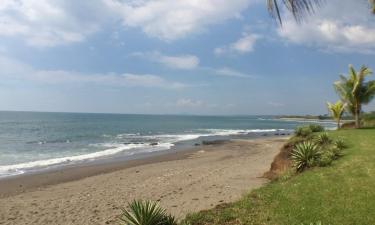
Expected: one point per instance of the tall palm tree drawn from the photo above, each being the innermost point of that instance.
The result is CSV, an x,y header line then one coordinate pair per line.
x,y
354,91
336,110
299,7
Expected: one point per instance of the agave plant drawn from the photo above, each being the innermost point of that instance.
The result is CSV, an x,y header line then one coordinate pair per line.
x,y
305,155
339,144
323,139
146,213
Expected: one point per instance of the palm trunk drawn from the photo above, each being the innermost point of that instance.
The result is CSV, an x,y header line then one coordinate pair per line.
x,y
357,116
338,124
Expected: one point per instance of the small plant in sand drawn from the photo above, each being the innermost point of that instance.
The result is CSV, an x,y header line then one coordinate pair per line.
x,y
305,155
146,213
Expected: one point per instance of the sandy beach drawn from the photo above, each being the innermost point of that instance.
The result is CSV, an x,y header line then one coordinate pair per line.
x,y
183,182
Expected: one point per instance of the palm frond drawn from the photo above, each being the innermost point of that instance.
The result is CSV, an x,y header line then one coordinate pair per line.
x,y
297,7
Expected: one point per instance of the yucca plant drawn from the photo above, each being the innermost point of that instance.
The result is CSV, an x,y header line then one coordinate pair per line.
x,y
305,155
146,213
340,144
323,139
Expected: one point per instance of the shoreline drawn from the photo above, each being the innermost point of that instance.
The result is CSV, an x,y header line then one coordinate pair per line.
x,y
182,181
21,183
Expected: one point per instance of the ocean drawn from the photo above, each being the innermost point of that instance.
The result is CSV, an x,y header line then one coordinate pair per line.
x,y
33,141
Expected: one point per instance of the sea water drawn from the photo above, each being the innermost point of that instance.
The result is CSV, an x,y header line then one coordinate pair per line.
x,y
31,141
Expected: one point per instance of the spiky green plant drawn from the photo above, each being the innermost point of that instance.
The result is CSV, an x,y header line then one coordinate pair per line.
x,y
354,91
304,155
323,139
146,213
299,8
340,144
336,110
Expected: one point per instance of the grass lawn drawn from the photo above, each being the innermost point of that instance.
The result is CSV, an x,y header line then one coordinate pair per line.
x,y
343,193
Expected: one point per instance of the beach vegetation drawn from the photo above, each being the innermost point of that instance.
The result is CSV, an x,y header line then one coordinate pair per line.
x,y
341,193
305,155
307,130
303,131
336,110
316,127
355,91
146,213
323,139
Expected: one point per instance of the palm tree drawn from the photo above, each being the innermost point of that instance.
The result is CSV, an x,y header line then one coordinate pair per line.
x,y
336,110
299,7
354,91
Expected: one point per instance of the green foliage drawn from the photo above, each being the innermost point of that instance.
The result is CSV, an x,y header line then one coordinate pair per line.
x,y
354,91
336,110
307,130
368,119
339,144
323,139
342,193
146,213
326,158
316,128
303,131
305,155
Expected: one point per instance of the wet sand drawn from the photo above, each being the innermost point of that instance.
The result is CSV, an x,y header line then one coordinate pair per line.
x,y
183,182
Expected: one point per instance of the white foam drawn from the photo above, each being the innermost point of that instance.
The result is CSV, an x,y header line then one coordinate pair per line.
x,y
166,141
8,170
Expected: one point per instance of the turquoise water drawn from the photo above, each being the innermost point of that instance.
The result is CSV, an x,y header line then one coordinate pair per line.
x,y
34,140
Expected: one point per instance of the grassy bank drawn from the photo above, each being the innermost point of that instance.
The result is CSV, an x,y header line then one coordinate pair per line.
x,y
342,193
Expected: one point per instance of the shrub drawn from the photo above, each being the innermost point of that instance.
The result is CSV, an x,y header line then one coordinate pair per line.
x,y
316,128
305,155
326,158
323,139
303,131
336,152
339,144
146,213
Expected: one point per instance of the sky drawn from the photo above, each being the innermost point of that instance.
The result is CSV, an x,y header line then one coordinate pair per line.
x,y
209,57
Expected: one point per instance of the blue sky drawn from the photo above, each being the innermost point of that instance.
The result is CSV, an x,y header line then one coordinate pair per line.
x,y
177,57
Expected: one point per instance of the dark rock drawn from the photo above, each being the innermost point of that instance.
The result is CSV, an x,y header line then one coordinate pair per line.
x,y
214,142
154,143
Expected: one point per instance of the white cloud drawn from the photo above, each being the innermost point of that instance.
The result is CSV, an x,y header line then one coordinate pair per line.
x,y
185,62
171,19
185,102
275,104
16,71
45,23
225,71
243,45
336,30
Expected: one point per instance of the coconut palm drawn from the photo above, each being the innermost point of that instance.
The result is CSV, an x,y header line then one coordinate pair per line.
x,y
354,91
336,110
299,7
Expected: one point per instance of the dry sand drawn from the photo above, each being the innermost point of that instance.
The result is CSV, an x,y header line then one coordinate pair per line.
x,y
183,182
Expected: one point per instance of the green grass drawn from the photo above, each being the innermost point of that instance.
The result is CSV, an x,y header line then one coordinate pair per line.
x,y
341,194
